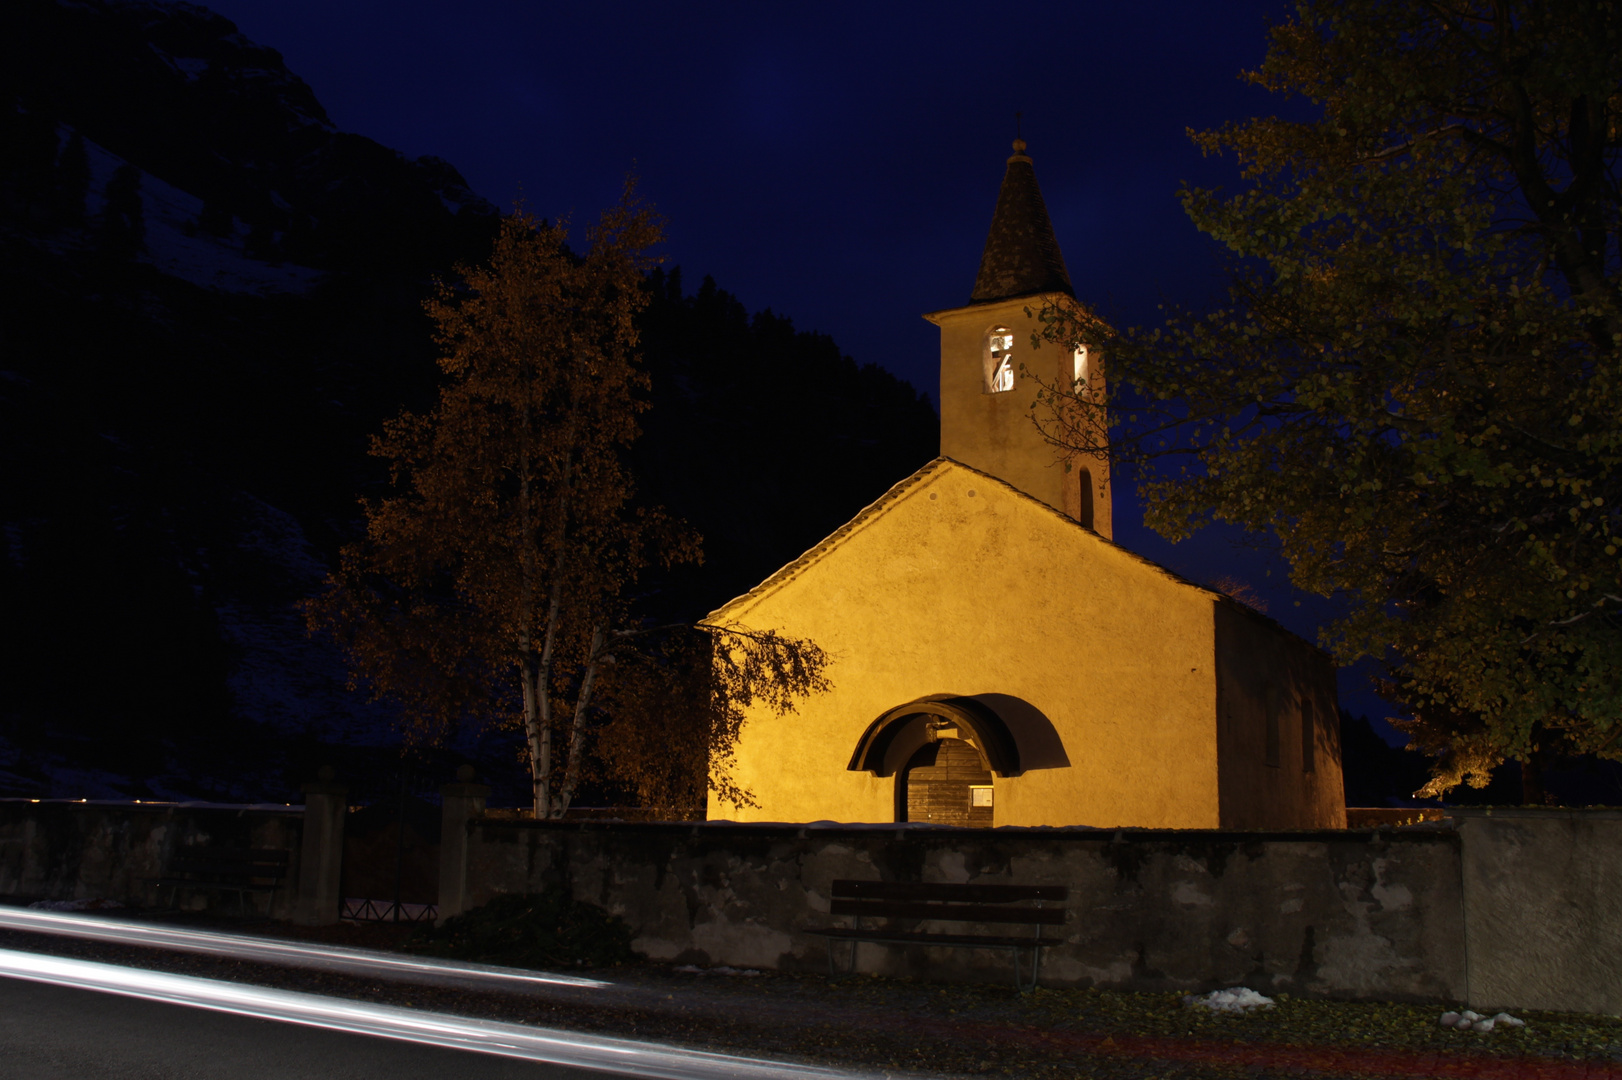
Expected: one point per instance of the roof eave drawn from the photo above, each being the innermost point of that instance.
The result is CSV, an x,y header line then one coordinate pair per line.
x,y
937,317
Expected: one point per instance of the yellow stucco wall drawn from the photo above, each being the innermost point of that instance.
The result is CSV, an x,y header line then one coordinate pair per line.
x,y
994,432
955,584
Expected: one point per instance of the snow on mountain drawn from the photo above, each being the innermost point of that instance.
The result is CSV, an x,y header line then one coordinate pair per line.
x,y
174,241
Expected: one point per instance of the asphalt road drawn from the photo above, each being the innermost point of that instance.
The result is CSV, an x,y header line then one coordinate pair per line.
x,y
61,1033
67,1017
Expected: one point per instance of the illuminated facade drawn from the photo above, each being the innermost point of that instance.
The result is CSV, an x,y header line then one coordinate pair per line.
x,y
997,659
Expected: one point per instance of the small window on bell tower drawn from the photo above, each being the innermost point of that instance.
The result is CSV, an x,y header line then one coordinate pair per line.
x,y
1081,380
999,360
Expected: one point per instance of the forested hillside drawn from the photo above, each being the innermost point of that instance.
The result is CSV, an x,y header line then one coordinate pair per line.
x,y
209,299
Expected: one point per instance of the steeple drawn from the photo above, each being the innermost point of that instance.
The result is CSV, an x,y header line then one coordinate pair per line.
x,y
1022,257
991,362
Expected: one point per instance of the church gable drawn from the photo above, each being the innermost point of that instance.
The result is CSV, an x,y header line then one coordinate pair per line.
x,y
951,526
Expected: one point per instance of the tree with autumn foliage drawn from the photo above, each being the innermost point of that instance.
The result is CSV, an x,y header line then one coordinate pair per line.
x,y
494,584
1416,384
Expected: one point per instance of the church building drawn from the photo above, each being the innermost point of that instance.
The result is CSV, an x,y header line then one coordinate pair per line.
x,y
996,658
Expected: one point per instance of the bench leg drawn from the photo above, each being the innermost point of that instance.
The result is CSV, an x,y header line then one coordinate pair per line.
x,y
1036,962
833,971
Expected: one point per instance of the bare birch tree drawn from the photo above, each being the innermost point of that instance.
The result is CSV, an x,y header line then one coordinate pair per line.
x,y
492,581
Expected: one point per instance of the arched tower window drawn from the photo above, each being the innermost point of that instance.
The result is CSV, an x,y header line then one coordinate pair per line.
x,y
1084,497
999,358
1081,379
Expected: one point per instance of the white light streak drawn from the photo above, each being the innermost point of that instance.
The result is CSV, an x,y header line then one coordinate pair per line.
x,y
552,1045
288,953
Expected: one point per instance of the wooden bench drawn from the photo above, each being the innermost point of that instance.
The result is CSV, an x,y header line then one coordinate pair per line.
x,y
225,869
914,902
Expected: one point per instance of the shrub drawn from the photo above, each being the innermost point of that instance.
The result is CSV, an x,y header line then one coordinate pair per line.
x,y
538,930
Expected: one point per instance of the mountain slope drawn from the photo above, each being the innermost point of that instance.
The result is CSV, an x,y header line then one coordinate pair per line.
x,y
209,299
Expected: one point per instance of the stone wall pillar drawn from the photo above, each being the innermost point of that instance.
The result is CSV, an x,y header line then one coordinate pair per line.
x,y
321,857
1542,926
463,801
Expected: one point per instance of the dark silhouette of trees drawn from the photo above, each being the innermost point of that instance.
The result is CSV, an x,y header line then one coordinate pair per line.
x,y
72,183
121,232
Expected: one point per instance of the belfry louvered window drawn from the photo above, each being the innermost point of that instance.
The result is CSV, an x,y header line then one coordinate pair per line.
x,y
999,361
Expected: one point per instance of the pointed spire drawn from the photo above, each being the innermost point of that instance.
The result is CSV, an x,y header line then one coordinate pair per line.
x,y
1022,257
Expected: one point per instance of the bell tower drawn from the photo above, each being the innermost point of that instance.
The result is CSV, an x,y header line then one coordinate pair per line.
x,y
986,392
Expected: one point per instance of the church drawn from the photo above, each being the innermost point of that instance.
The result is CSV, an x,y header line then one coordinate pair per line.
x,y
996,658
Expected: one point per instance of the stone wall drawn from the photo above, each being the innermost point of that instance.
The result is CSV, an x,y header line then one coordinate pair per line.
x,y
57,850
1334,913
1496,908
1543,907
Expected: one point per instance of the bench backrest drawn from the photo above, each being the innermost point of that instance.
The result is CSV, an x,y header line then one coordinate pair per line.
x,y
249,863
961,903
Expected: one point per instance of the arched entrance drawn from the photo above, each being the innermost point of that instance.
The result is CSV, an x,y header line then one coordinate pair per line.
x,y
947,783
943,751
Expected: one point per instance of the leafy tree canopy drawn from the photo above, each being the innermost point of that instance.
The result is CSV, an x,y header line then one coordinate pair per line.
x,y
1415,383
496,580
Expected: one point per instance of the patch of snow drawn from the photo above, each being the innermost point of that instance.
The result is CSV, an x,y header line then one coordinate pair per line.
x,y
52,774
1238,999
97,904
175,247
1469,1020
189,68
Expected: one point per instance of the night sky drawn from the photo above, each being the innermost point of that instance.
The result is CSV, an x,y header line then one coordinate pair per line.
x,y
837,163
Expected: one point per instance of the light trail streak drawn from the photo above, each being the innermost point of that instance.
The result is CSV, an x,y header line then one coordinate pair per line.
x,y
550,1045
290,953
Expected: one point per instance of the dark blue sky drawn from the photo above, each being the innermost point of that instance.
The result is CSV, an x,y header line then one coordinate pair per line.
x,y
836,162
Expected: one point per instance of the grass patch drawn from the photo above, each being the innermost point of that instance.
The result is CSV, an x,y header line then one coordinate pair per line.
x,y
1299,1021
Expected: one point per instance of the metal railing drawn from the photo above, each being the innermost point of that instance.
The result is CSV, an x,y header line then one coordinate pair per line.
x,y
359,910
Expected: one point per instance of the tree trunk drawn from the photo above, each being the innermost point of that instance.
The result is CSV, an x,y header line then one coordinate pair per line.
x,y
577,738
534,677
538,722
1533,769
538,735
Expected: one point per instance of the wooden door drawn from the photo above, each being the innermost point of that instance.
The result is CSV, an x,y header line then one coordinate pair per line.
x,y
942,780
